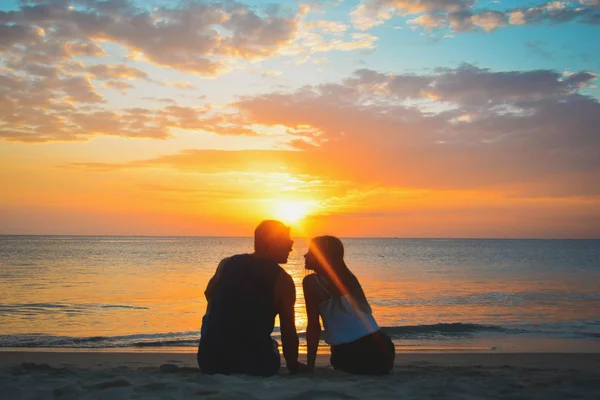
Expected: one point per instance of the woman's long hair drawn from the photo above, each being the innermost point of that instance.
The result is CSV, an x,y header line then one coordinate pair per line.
x,y
329,252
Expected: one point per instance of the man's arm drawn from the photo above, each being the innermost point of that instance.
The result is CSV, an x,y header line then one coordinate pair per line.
x,y
286,298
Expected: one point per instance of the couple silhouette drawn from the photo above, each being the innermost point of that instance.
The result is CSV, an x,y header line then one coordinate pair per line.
x,y
248,291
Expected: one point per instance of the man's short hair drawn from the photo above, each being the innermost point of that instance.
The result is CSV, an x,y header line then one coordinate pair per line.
x,y
269,231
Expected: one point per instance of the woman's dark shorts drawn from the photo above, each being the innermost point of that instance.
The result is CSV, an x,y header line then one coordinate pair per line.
x,y
373,354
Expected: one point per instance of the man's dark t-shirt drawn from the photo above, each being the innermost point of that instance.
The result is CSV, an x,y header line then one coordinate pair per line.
x,y
236,331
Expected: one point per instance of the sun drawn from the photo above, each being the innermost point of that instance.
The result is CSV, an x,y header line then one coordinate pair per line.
x,y
292,211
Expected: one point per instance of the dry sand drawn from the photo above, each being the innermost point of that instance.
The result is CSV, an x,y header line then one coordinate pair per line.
x,y
115,376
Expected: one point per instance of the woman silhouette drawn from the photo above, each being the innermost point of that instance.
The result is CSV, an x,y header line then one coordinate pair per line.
x,y
334,293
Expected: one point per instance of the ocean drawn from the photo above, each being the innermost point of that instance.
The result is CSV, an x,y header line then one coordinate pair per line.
x,y
146,293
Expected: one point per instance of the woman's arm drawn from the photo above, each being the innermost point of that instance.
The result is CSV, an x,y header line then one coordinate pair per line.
x,y
313,328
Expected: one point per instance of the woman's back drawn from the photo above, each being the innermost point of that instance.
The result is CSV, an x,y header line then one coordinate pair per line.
x,y
334,293
344,319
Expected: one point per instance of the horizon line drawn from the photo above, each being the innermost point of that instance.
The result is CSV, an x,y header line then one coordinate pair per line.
x,y
306,237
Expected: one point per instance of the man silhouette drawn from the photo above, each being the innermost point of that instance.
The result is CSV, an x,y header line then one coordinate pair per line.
x,y
244,296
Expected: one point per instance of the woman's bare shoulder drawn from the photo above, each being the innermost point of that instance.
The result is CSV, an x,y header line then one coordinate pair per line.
x,y
314,285
311,279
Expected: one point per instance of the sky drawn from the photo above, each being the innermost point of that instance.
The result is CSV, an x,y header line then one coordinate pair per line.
x,y
372,118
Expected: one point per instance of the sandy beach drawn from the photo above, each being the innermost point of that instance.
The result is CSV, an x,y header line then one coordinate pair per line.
x,y
122,375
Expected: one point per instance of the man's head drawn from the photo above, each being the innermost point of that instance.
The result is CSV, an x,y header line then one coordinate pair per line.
x,y
272,240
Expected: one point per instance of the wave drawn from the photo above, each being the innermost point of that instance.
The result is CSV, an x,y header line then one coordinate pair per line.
x,y
443,329
169,343
33,309
184,339
191,338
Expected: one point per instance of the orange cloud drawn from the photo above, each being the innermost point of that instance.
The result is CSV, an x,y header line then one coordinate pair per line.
x,y
271,73
84,49
179,84
106,71
493,144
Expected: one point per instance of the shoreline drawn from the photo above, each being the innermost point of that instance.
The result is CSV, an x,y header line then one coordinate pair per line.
x,y
94,359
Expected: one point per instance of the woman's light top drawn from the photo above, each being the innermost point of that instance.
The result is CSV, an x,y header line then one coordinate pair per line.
x,y
343,321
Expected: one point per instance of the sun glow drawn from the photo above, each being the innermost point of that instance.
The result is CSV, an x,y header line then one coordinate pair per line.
x,y
292,211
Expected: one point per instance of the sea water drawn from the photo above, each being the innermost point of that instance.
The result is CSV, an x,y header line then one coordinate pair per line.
x,y
146,293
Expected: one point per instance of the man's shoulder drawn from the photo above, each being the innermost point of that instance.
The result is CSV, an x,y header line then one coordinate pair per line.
x,y
227,263
233,258
247,259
